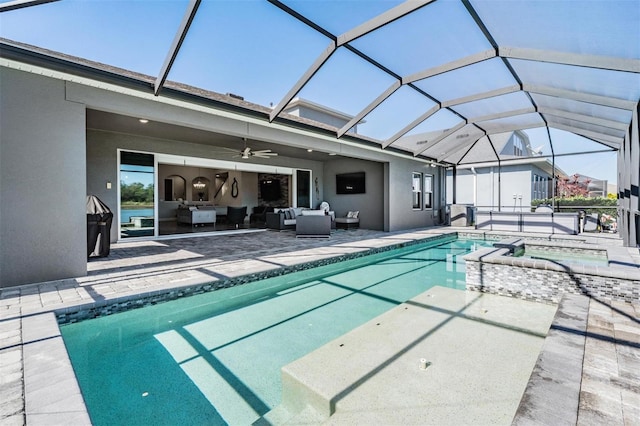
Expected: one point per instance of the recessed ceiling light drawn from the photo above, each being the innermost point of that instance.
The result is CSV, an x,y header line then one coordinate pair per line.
x,y
332,153
143,120
309,150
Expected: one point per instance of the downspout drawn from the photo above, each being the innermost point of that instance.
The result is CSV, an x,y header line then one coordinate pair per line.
x,y
499,175
454,174
475,187
499,185
553,172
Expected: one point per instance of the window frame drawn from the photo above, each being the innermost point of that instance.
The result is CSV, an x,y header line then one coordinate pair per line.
x,y
428,193
416,193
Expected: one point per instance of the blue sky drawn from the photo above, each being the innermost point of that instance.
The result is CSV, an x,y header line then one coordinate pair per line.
x,y
252,49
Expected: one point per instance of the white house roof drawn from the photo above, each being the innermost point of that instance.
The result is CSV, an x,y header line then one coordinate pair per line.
x,y
438,79
304,103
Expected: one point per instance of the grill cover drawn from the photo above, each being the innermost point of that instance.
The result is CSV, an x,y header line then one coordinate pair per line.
x,y
99,219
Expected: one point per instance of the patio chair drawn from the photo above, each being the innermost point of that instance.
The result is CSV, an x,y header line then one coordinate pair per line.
x,y
352,220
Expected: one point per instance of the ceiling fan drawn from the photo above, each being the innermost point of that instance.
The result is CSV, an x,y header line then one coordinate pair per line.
x,y
260,153
247,152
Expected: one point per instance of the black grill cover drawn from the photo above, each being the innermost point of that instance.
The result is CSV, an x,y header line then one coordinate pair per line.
x,y
99,218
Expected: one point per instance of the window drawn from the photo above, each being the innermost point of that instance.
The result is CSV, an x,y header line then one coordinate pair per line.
x,y
518,145
417,190
303,188
539,187
428,191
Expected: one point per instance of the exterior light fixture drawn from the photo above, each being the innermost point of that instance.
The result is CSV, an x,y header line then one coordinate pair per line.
x,y
309,150
143,120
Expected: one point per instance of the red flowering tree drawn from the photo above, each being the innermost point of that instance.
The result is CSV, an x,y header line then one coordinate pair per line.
x,y
573,186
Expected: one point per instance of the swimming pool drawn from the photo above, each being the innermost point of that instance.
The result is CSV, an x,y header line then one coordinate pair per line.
x,y
215,358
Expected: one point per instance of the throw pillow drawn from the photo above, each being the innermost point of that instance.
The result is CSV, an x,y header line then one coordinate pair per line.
x,y
287,214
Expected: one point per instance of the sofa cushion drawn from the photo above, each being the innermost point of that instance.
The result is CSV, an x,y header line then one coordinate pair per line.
x,y
347,220
313,213
289,222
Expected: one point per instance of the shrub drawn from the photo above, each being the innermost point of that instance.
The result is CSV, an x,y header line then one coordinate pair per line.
x,y
576,204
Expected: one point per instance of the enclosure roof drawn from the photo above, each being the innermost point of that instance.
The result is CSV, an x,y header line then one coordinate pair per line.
x,y
441,79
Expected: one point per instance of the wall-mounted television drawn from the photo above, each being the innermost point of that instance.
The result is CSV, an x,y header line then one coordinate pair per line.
x,y
270,189
350,183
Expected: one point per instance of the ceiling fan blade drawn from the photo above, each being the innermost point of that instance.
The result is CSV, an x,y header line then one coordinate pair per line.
x,y
265,154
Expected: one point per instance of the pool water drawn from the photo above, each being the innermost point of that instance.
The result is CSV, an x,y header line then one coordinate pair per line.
x,y
567,258
215,358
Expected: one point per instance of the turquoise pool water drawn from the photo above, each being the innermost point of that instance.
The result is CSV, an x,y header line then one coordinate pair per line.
x,y
567,258
215,358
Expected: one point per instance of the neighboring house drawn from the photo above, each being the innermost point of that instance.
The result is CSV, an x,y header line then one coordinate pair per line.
x,y
595,187
521,176
320,113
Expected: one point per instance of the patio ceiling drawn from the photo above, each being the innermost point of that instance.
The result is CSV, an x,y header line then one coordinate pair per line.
x,y
435,78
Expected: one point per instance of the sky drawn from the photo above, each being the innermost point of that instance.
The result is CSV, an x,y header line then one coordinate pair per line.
x,y
252,49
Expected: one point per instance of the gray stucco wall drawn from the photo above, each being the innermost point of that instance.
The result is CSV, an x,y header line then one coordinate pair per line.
x,y
402,215
42,184
370,204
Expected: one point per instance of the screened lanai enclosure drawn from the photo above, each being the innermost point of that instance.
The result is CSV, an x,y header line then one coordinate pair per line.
x,y
433,79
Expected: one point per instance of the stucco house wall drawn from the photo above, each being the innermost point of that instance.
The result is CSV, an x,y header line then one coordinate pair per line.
x,y
42,181
370,204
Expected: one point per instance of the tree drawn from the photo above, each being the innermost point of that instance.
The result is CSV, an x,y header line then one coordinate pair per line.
x,y
573,187
136,193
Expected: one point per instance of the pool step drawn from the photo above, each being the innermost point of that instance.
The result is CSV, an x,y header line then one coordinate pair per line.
x,y
281,415
511,244
375,374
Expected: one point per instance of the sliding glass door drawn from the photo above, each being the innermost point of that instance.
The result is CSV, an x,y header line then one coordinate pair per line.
x,y
137,179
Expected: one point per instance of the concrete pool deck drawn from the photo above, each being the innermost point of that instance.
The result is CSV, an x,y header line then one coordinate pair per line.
x,y
38,385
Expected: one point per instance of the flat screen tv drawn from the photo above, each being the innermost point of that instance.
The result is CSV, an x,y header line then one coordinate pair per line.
x,y
350,183
270,189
